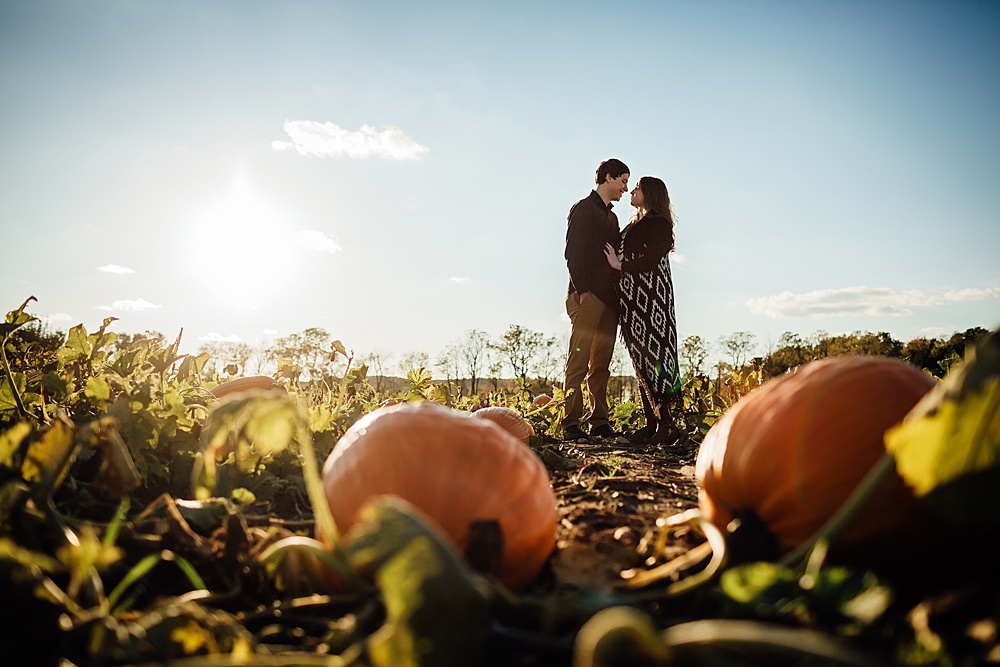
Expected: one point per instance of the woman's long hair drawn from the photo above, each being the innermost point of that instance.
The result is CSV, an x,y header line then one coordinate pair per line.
x,y
656,201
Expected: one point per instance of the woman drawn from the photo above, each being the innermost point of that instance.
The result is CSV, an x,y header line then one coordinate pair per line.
x,y
648,325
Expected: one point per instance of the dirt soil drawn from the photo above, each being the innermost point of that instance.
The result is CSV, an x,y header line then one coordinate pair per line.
x,y
611,494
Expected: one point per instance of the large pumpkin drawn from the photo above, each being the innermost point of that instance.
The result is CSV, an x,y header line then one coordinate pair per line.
x,y
793,450
457,470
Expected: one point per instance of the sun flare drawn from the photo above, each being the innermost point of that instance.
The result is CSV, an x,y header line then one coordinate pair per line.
x,y
242,245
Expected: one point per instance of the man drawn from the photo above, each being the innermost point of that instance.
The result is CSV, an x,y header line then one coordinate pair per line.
x,y
592,301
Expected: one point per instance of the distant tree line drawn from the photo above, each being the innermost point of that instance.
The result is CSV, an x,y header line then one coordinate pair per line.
x,y
476,362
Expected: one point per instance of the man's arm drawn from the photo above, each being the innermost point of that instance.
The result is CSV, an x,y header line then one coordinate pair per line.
x,y
579,239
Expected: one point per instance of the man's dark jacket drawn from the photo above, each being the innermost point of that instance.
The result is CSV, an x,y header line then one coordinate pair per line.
x,y
591,224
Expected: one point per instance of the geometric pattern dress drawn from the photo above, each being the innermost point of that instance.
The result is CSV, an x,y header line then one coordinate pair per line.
x,y
649,329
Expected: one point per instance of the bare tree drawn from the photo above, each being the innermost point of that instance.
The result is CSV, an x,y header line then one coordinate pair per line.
x,y
449,361
519,347
413,359
260,358
377,361
738,346
693,353
494,362
472,350
226,354
551,361
310,349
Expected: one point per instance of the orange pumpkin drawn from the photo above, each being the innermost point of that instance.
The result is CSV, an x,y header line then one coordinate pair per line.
x,y
540,401
249,383
508,419
457,470
794,449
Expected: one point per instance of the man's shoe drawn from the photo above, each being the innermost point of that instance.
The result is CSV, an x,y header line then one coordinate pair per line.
x,y
573,433
643,434
604,431
666,434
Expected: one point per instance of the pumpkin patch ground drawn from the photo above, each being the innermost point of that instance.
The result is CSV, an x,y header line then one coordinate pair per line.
x,y
613,501
611,495
475,537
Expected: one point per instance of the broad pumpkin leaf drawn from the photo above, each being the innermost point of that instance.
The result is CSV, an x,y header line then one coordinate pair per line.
x,y
15,382
77,347
48,459
838,595
98,388
948,447
436,608
267,422
132,359
247,422
16,319
11,439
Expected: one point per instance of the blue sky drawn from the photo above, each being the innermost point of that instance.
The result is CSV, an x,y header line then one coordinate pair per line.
x,y
399,175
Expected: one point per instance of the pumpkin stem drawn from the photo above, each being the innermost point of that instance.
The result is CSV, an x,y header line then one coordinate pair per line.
x,y
321,508
714,546
848,512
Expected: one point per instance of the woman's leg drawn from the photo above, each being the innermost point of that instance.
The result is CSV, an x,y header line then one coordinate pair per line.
x,y
667,432
648,411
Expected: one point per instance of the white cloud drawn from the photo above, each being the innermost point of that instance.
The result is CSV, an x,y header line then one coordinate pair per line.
x,y
678,258
212,337
314,240
879,301
461,280
131,304
56,317
972,294
114,268
310,137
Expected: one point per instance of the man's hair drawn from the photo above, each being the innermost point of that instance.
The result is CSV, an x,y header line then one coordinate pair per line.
x,y
611,168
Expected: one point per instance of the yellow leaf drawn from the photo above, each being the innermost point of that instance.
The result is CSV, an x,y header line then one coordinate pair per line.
x,y
11,439
959,439
48,458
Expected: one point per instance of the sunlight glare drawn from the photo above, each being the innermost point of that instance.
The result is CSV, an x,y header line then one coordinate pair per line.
x,y
243,246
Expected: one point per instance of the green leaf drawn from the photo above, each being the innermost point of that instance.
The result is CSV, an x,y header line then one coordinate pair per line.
x,y
133,358
264,422
272,425
952,437
77,346
192,366
835,595
48,459
101,339
98,388
16,319
11,439
436,608
8,401
242,496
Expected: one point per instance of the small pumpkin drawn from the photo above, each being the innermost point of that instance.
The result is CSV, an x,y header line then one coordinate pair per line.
x,y
540,401
793,450
508,419
249,383
458,470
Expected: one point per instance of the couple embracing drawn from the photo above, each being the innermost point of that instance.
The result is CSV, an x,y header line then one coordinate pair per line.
x,y
621,278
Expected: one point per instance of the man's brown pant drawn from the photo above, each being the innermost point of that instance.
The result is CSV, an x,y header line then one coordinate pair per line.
x,y
591,346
